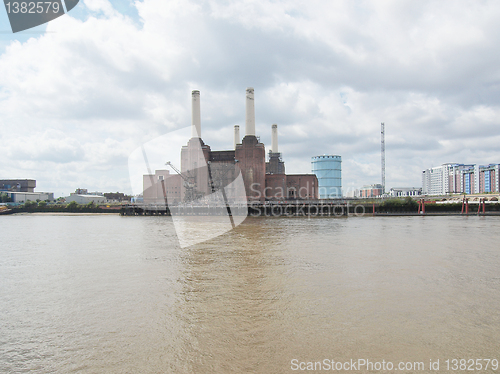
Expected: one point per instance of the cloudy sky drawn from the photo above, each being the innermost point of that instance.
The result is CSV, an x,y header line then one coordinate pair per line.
x,y
80,94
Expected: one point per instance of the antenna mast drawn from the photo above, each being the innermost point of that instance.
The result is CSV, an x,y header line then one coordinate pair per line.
x,y
382,152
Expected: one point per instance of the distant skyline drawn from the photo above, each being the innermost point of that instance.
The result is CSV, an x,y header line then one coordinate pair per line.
x,y
79,94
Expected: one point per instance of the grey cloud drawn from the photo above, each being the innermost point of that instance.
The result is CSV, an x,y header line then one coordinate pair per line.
x,y
342,75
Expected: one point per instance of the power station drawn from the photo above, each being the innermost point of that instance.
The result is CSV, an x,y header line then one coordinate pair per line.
x,y
204,171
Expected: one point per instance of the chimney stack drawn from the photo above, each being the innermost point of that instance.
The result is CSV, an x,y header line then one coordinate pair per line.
x,y
274,138
236,135
250,113
195,115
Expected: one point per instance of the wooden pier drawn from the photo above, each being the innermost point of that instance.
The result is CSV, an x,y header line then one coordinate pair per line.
x,y
267,209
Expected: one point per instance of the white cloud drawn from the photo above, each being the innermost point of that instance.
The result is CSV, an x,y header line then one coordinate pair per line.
x,y
327,72
49,145
103,6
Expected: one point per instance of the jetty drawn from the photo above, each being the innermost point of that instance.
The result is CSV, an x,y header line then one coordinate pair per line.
x,y
253,209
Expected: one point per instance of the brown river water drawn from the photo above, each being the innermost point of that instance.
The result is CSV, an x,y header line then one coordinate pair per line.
x,y
111,294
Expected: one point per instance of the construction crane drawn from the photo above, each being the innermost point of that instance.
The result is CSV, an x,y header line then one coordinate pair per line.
x,y
189,185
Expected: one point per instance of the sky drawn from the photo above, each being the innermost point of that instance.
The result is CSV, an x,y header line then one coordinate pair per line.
x,y
78,95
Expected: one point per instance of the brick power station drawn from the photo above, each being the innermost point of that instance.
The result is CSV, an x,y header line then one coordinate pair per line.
x,y
204,171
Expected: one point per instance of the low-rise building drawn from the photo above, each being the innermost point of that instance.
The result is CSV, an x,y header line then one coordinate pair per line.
x,y
373,190
405,191
17,185
22,197
291,187
162,186
23,190
85,199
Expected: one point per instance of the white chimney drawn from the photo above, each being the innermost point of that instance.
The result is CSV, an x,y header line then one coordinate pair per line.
x,y
250,113
236,135
195,115
274,138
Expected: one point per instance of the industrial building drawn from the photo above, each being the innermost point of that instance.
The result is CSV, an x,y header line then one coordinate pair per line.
x,y
461,178
17,185
204,171
85,199
82,196
154,185
22,197
328,170
23,190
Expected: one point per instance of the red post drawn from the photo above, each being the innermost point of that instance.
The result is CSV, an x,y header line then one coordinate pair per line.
x,y
463,205
423,206
466,206
484,205
373,208
479,206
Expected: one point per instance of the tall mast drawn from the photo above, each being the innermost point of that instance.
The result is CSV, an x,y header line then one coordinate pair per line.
x,y
382,152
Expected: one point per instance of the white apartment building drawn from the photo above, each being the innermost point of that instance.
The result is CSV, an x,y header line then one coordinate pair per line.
x,y
435,180
461,178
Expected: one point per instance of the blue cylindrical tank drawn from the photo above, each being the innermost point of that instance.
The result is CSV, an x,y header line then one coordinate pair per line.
x,y
328,169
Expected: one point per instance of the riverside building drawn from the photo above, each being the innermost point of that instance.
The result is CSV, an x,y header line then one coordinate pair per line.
x,y
461,178
204,171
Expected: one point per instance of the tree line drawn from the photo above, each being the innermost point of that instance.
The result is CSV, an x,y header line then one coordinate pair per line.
x,y
72,207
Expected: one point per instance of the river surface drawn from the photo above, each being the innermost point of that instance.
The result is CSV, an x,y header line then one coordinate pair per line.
x,y
111,294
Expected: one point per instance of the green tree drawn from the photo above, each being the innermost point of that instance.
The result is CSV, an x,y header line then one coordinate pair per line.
x,y
90,207
73,206
399,205
4,198
30,206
